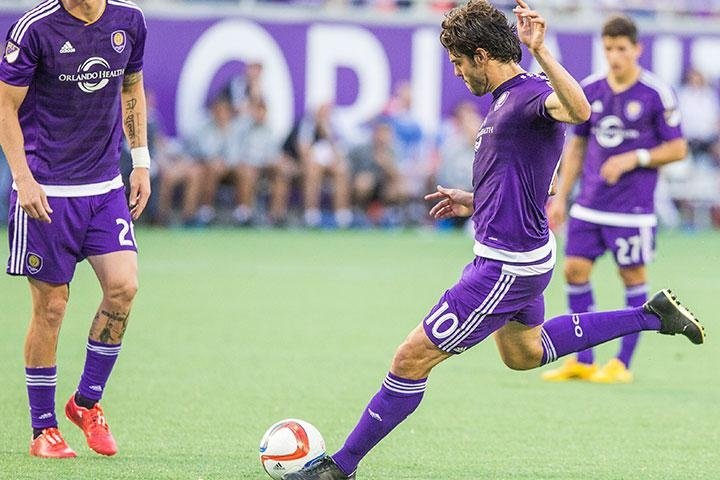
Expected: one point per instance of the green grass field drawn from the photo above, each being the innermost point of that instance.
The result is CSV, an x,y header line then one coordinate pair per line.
x,y
234,330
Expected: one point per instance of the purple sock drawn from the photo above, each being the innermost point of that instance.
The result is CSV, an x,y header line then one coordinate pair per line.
x,y
398,397
99,361
41,394
580,300
572,333
635,296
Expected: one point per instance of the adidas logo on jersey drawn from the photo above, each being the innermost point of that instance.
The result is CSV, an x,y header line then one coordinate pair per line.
x,y
67,48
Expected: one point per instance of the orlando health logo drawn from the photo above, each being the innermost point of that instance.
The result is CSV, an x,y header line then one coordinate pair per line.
x,y
92,75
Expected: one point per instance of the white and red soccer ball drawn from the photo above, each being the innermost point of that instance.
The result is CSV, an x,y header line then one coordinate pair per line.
x,y
289,445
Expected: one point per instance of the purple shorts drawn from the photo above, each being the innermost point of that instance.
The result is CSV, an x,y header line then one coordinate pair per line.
x,y
484,300
81,227
631,246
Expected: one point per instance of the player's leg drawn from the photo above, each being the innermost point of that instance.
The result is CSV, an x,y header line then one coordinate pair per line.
x,y
46,254
111,251
523,344
632,248
48,310
584,245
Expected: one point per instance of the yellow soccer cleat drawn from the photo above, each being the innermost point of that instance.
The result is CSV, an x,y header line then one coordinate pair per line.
x,y
612,372
570,370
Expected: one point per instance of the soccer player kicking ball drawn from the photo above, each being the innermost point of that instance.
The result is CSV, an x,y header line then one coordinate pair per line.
x,y
501,290
70,82
634,128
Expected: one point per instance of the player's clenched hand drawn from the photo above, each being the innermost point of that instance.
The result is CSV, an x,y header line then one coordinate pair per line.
x,y
33,200
139,191
615,166
452,203
530,26
556,211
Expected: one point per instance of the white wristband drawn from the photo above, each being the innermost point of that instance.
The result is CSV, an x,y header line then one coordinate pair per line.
x,y
643,156
140,157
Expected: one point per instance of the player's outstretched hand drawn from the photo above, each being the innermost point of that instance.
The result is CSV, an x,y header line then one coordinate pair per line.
x,y
531,26
452,203
33,200
139,191
615,166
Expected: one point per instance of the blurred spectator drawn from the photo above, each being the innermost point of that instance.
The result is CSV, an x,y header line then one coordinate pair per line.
x,y
700,108
245,88
177,169
413,158
376,177
211,148
321,154
257,152
456,146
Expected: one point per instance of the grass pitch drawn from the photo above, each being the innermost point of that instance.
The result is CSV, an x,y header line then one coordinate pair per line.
x,y
234,330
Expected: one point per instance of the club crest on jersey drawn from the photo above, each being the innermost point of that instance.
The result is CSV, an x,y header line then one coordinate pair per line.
x,y
34,263
119,40
12,52
500,101
633,110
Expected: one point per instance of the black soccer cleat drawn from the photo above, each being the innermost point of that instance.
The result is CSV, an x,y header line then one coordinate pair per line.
x,y
322,469
674,318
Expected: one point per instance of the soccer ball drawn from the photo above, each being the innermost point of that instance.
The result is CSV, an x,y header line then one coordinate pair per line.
x,y
288,446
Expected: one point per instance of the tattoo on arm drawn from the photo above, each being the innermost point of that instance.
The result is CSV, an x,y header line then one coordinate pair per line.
x,y
131,79
109,327
130,128
130,104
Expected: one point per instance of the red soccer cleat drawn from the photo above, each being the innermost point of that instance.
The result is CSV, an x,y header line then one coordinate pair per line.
x,y
50,444
92,422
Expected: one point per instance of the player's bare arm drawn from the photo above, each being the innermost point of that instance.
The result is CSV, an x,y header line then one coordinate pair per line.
x,y
452,203
31,196
667,152
134,112
570,169
568,103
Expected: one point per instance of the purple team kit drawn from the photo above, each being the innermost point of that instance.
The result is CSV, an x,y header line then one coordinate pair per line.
x,y
516,153
620,217
68,63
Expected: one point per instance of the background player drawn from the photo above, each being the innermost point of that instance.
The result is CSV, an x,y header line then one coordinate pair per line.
x,y
634,128
70,81
501,290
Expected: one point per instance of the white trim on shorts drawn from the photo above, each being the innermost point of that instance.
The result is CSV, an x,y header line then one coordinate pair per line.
x,y
493,253
613,219
86,190
18,250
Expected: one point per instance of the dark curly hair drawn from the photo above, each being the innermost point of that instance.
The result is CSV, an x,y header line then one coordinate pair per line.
x,y
478,24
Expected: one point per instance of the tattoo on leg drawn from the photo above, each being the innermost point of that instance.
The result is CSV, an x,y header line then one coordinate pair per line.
x,y
109,327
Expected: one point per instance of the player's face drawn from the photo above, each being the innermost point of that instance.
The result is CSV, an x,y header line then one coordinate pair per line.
x,y
621,54
472,73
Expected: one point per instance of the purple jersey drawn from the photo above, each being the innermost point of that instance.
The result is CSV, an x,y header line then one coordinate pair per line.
x,y
643,116
71,116
516,153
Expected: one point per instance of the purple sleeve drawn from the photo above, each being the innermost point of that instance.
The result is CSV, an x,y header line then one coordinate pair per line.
x,y
20,60
535,107
667,117
135,64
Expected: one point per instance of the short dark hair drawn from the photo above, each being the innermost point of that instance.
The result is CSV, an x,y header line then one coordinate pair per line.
x,y
620,26
478,24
